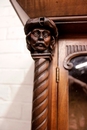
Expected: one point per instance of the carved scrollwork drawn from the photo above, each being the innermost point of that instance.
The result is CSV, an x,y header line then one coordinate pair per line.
x,y
72,52
67,61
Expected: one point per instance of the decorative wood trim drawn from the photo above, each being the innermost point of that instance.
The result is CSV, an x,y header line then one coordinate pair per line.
x,y
69,19
72,52
75,48
41,34
40,92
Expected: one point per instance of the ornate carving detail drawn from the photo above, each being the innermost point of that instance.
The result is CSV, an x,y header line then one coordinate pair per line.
x,y
40,99
41,34
74,51
75,48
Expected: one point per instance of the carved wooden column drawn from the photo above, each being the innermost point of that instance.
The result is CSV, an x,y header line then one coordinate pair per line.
x,y
41,34
40,97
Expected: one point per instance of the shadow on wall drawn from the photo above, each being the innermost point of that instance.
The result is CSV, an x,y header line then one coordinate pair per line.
x,y
16,112
16,72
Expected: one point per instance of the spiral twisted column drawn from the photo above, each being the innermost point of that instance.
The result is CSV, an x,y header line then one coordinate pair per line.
x,y
41,34
40,95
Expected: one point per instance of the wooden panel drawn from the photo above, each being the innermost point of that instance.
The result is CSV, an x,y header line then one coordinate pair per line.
x,y
37,8
53,94
62,89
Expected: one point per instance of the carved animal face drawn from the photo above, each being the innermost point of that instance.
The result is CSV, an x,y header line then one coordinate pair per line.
x,y
40,39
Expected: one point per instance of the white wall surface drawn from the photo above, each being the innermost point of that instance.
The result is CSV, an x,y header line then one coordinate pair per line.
x,y
16,72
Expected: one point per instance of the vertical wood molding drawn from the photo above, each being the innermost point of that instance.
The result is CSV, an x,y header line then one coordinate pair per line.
x,y
41,34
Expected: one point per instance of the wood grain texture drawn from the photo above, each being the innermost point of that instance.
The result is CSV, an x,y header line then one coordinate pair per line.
x,y
41,41
40,92
52,8
75,48
51,111
72,52
62,89
54,91
73,45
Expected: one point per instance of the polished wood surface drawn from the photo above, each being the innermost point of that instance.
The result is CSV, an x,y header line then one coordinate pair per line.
x,y
62,90
41,36
54,89
38,8
72,33
40,95
70,17
76,45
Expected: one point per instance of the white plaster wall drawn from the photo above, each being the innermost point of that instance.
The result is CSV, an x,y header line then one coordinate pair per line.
x,y
16,72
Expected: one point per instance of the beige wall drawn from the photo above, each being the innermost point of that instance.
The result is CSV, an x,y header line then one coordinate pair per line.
x,y
16,72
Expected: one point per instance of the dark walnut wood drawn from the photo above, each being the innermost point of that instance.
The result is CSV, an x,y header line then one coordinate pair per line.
x,y
51,100
72,52
40,95
53,8
41,34
46,110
